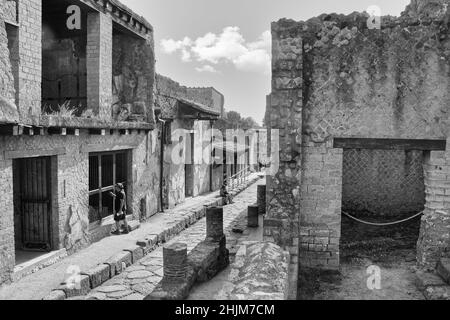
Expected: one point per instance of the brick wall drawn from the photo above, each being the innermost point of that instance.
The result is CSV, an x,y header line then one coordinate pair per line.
x,y
99,64
383,182
6,77
434,239
320,206
29,50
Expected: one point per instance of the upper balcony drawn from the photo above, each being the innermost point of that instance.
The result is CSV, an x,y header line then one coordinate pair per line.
x,y
90,64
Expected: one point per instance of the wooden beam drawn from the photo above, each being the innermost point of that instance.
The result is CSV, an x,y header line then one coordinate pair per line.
x,y
21,154
57,131
390,144
99,132
107,147
73,132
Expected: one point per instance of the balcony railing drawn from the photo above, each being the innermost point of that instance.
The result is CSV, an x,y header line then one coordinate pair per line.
x,y
239,178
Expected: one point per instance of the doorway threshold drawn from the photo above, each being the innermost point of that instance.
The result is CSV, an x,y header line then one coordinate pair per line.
x,y
36,262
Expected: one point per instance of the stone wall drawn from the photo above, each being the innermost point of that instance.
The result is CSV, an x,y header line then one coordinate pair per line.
x,y
6,223
133,76
383,182
168,90
6,77
10,11
334,77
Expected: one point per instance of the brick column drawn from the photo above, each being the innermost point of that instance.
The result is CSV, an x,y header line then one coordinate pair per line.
x,y
214,224
434,240
99,64
175,262
320,223
28,72
281,223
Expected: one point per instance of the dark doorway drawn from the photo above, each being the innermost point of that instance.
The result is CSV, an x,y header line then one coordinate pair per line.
x,y
32,203
381,187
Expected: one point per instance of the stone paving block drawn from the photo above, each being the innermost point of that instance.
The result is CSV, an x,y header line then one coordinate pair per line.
x,y
437,293
82,288
56,295
143,243
427,279
137,253
98,275
119,262
133,225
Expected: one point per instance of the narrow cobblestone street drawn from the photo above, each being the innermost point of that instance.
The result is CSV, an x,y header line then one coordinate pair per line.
x,y
38,285
139,280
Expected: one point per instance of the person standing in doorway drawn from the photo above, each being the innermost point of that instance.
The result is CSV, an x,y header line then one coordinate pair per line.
x,y
120,216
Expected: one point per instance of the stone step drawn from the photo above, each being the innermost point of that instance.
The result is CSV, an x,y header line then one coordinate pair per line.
x,y
443,270
432,286
134,225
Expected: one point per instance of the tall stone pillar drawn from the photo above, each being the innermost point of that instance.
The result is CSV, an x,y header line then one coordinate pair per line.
x,y
28,68
99,64
281,223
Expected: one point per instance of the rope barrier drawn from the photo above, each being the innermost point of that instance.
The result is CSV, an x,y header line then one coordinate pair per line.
x,y
382,224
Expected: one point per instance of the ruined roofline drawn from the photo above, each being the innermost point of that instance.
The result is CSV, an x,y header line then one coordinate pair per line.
x,y
359,20
121,14
182,89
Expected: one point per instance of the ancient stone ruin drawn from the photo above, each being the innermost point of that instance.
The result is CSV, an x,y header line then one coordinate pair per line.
x,y
347,95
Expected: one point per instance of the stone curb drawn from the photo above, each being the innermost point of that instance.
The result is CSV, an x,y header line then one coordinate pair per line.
x,y
115,265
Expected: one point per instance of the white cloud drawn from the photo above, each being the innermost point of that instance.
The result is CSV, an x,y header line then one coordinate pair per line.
x,y
229,46
206,68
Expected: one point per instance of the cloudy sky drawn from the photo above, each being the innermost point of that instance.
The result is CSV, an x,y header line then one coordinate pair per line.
x,y
226,44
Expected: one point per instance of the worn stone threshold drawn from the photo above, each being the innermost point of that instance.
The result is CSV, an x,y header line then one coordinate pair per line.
x,y
41,262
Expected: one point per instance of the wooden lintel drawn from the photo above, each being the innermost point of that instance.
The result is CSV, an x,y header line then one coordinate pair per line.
x,y
390,144
57,131
107,147
21,154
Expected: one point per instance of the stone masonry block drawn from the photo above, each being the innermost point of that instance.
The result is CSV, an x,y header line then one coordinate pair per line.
x,y
137,253
79,289
425,279
98,275
119,262
56,295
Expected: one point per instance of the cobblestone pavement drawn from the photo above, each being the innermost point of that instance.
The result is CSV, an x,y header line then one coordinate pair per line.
x,y
139,280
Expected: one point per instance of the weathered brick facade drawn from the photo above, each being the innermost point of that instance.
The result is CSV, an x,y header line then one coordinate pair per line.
x,y
99,63
169,95
69,140
333,77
